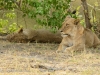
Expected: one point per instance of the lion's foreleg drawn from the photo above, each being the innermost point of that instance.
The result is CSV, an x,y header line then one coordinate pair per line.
x,y
76,47
61,48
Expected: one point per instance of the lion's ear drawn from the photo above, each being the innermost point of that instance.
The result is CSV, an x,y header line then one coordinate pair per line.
x,y
20,30
81,29
76,21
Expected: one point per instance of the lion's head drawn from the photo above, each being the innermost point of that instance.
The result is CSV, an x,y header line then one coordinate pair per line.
x,y
16,37
70,27
70,21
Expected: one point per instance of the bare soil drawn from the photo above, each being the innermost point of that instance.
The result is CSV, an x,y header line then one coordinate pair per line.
x,y
42,59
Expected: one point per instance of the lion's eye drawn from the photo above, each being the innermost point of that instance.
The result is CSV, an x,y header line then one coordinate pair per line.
x,y
67,24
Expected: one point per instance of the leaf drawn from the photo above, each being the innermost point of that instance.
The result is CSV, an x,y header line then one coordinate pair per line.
x,y
39,10
96,4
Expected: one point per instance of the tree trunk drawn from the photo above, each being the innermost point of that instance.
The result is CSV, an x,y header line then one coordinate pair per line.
x,y
87,19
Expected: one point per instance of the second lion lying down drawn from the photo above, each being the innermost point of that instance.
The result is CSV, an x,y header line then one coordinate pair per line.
x,y
29,35
76,37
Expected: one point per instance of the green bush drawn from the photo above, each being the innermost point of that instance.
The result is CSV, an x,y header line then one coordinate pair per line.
x,y
5,26
47,12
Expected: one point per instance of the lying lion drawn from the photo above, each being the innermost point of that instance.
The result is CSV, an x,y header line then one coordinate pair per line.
x,y
29,35
76,37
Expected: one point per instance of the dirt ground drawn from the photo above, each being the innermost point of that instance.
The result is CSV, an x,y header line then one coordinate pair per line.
x,y
42,59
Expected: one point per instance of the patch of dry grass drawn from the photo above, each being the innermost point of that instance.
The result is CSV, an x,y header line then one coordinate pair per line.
x,y
42,59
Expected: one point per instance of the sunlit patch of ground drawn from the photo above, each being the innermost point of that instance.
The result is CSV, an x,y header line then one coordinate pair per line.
x,y
42,59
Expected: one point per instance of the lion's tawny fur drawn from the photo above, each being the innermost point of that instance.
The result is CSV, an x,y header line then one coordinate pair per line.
x,y
29,35
76,37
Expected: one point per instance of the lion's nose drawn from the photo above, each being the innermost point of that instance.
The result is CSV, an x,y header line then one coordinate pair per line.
x,y
61,31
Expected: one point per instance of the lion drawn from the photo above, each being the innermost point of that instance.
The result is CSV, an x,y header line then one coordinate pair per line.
x,y
29,35
76,37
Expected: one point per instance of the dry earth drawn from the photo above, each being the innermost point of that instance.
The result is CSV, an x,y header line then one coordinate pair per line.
x,y
42,59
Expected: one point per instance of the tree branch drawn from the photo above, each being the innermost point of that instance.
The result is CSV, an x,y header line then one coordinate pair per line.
x,y
87,19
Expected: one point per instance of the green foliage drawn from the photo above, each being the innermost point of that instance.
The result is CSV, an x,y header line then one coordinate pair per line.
x,y
10,15
13,27
49,13
46,12
7,4
94,15
4,24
